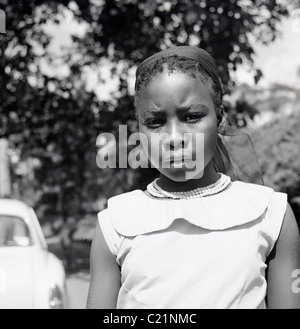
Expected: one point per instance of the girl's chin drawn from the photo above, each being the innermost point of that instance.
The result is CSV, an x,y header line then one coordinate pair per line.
x,y
180,174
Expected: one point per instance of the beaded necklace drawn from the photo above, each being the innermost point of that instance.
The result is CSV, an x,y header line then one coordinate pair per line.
x,y
221,184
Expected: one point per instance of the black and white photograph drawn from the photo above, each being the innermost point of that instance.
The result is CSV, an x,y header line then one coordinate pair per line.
x,y
149,157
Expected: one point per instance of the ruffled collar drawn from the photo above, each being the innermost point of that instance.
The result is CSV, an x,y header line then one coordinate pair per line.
x,y
134,213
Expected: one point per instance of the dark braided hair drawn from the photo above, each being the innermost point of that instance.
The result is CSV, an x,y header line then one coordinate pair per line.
x,y
181,64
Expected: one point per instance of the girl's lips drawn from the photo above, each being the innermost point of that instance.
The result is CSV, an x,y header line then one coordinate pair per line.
x,y
176,162
178,159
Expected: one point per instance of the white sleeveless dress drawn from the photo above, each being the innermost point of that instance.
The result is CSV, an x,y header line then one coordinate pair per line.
x,y
199,253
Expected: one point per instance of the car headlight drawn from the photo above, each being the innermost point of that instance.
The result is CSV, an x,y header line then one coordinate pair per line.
x,y
55,297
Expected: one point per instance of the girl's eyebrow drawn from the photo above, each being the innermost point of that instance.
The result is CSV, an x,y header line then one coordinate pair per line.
x,y
150,111
192,106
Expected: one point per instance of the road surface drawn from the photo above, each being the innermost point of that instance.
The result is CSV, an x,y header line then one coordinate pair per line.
x,y
77,287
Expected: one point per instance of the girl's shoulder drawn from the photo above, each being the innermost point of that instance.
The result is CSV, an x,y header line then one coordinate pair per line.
x,y
133,213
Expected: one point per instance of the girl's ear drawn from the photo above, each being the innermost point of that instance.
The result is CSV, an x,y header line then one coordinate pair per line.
x,y
220,114
136,114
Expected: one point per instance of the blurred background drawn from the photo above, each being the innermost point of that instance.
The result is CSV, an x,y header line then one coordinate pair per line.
x,y
67,74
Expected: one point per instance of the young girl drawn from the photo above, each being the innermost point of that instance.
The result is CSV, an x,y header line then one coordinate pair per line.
x,y
202,241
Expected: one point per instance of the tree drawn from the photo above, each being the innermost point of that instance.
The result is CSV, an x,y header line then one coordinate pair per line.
x,y
277,146
56,120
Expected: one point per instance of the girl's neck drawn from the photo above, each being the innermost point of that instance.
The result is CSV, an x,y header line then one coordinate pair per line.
x,y
209,177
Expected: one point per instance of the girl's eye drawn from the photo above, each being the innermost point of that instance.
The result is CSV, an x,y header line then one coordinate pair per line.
x,y
192,117
154,123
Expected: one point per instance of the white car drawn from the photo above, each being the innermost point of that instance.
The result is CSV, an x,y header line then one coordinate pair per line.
x,y
30,276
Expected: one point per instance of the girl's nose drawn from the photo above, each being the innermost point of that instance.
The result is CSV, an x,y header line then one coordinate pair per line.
x,y
174,137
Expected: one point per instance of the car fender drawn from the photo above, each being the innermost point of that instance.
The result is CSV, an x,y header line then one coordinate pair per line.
x,y
49,271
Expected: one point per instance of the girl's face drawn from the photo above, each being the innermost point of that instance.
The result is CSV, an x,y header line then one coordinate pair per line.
x,y
172,109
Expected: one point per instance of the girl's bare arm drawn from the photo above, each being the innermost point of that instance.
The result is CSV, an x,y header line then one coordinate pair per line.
x,y
105,275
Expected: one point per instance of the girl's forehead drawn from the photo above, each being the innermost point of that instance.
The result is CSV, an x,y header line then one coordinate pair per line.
x,y
175,88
